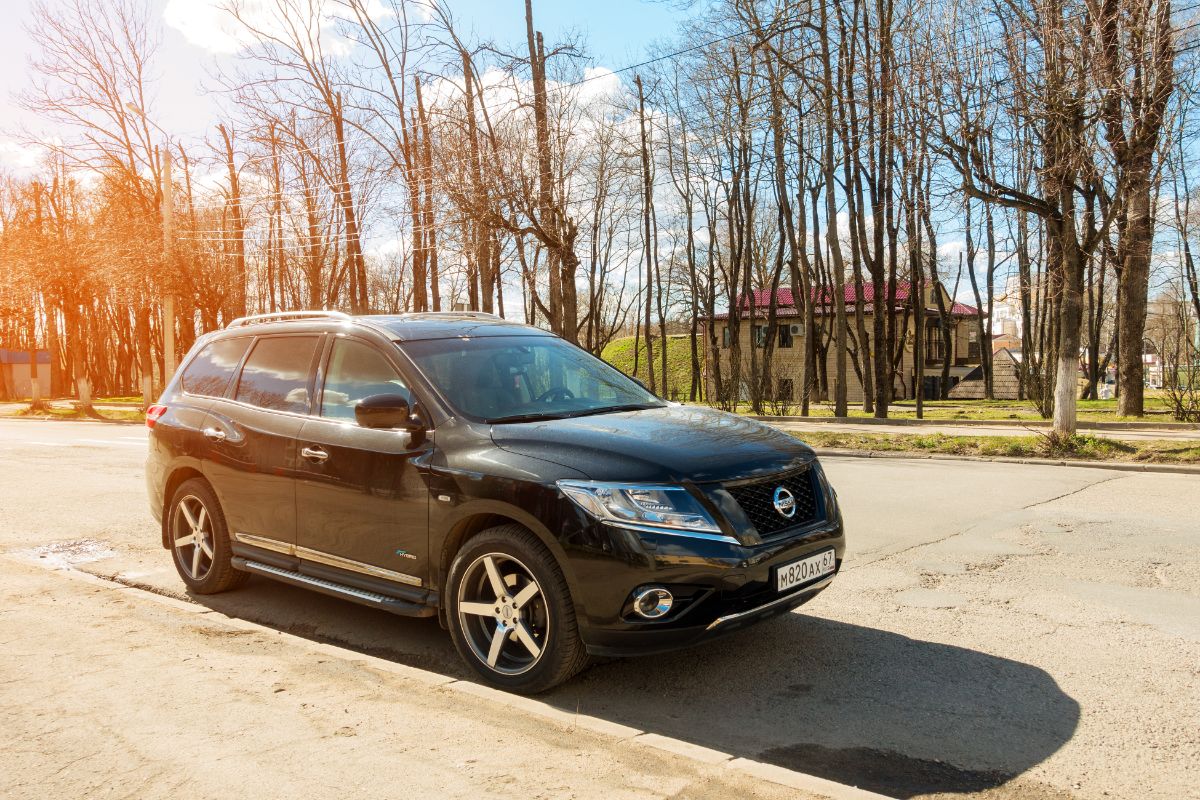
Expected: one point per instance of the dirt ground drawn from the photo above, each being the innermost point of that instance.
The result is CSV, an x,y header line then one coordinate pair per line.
x,y
997,631
107,695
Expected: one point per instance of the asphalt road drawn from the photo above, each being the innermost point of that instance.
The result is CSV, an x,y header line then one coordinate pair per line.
x,y
998,629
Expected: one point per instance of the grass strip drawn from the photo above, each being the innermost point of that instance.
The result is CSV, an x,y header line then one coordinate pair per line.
x,y
54,412
1079,448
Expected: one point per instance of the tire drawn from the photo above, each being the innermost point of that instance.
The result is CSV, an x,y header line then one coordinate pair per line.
x,y
533,612
205,565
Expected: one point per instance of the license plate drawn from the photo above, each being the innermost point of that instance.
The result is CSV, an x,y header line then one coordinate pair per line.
x,y
805,570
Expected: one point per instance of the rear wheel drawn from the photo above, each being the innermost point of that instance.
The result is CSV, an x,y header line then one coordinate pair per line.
x,y
510,612
199,539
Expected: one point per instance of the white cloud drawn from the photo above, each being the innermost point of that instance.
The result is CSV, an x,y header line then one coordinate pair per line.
x,y
207,24
950,251
598,83
211,25
18,158
388,248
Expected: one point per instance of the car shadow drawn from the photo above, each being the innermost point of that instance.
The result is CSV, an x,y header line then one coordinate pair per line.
x,y
857,705
865,707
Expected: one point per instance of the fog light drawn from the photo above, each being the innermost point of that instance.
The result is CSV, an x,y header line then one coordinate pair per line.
x,y
652,602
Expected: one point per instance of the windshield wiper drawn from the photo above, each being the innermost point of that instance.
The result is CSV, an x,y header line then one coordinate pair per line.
x,y
611,409
544,416
525,418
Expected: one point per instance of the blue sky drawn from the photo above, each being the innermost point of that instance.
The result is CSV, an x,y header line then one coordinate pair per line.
x,y
615,32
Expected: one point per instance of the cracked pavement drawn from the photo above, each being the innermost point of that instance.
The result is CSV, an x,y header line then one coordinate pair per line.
x,y
998,630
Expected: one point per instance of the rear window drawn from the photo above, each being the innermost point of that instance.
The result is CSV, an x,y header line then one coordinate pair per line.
x,y
211,370
276,373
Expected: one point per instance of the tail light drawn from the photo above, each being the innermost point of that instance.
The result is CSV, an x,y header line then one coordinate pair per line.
x,y
153,413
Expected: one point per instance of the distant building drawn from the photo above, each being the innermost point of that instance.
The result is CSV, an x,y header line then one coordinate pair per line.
x,y
14,374
1006,341
1006,379
788,360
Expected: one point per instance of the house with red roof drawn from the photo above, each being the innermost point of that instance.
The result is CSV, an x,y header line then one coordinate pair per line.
x,y
753,329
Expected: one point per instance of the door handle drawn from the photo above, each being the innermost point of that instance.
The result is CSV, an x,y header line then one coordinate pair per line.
x,y
214,434
314,454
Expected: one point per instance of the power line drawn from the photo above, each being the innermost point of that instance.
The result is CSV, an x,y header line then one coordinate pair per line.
x,y
365,138
423,173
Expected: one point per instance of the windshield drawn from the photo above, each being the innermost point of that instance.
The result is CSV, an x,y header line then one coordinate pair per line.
x,y
522,378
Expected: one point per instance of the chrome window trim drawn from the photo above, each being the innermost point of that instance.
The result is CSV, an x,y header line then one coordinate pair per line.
x,y
252,407
328,559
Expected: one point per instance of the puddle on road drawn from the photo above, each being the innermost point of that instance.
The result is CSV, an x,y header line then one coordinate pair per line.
x,y
69,554
885,771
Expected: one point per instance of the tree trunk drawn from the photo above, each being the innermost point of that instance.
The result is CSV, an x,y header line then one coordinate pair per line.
x,y
838,267
647,238
1132,289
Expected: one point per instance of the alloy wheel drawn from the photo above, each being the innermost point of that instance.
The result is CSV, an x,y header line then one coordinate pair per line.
x,y
503,613
192,537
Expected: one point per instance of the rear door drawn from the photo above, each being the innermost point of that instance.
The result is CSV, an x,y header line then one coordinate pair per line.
x,y
362,498
203,379
176,438
252,451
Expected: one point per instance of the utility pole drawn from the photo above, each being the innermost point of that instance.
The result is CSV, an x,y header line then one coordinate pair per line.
x,y
35,386
239,229
166,209
168,231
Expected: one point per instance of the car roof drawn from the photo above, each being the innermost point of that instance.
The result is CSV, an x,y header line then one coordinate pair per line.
x,y
447,325
398,327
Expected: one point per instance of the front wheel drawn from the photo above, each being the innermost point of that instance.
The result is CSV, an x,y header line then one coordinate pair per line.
x,y
510,612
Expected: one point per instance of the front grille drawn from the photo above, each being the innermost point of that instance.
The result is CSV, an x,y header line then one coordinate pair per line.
x,y
758,501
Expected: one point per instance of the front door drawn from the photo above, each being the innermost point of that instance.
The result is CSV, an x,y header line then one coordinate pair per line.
x,y
362,499
251,437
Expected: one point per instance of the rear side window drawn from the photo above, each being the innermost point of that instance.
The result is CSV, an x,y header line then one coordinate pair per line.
x,y
276,373
211,370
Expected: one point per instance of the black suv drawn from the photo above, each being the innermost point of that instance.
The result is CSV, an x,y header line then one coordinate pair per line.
x,y
541,504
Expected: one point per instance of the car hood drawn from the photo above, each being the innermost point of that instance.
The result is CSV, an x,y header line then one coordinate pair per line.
x,y
670,444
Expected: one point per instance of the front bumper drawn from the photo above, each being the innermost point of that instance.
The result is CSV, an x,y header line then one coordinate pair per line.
x,y
649,641
719,586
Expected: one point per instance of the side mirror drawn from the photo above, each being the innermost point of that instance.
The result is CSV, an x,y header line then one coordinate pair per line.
x,y
388,411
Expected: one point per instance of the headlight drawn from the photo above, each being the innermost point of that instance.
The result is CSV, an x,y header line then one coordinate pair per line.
x,y
670,508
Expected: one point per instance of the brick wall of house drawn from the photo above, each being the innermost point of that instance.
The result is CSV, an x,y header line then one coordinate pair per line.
x,y
788,363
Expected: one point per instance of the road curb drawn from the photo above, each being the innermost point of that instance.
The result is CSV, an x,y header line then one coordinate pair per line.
x,y
1121,466
781,776
986,423
802,781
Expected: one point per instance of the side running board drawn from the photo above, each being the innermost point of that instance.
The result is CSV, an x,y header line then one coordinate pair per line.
x,y
367,598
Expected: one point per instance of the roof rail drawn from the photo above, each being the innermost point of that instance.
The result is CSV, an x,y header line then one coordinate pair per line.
x,y
286,315
469,314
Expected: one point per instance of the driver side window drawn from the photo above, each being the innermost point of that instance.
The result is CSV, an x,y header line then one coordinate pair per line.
x,y
357,371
